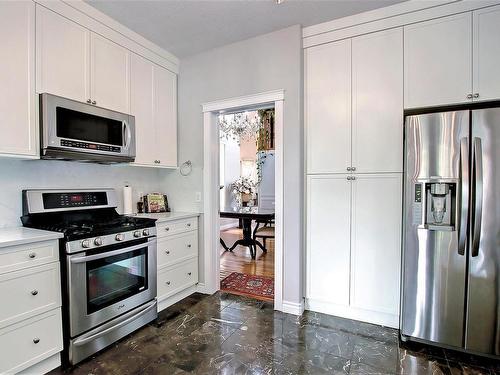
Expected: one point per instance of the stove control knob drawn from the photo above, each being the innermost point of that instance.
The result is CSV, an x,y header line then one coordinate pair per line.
x,y
145,232
119,237
98,241
85,243
137,233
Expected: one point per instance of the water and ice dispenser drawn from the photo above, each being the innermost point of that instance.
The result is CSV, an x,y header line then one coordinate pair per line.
x,y
435,205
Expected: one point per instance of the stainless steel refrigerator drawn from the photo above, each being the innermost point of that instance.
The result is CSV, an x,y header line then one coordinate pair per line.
x,y
451,252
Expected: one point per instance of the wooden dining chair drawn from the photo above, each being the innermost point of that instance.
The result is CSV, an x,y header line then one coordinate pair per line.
x,y
265,231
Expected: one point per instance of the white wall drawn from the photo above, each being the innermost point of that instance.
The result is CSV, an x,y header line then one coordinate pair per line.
x,y
231,174
267,62
16,175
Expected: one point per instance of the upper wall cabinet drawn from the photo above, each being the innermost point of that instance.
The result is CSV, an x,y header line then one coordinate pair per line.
x,y
18,118
328,107
377,102
109,74
438,61
486,50
154,105
62,56
354,104
76,63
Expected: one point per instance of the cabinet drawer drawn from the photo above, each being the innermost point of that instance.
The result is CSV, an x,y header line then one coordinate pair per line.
x,y
29,292
176,226
179,247
175,279
30,341
34,254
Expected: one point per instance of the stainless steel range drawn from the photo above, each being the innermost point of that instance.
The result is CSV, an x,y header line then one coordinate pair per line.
x,y
108,266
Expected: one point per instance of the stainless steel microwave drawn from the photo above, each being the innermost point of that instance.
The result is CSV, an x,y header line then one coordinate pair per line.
x,y
72,130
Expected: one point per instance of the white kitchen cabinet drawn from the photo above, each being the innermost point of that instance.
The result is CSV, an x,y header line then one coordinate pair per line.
x,y
328,107
165,116
18,108
154,105
328,238
438,61
141,105
377,102
376,242
110,74
62,56
486,52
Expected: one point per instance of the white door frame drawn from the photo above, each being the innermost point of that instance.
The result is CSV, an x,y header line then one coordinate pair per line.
x,y
211,226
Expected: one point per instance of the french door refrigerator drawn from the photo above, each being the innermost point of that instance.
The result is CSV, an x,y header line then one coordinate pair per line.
x,y
451,261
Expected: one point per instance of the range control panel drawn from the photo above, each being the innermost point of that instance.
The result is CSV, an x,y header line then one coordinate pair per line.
x,y
89,146
68,200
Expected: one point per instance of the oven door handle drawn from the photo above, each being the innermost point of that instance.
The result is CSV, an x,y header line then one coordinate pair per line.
x,y
89,258
125,319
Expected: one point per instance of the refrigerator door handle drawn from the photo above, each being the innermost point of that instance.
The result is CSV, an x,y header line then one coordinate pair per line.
x,y
477,173
464,195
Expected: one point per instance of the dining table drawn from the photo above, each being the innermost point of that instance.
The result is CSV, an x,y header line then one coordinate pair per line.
x,y
247,215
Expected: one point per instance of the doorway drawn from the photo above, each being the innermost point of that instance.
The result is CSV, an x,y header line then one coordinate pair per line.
x,y
247,202
216,153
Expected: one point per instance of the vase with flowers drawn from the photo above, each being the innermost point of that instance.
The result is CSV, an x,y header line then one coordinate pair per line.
x,y
241,186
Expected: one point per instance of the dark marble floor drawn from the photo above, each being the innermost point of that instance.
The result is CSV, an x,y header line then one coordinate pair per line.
x,y
226,334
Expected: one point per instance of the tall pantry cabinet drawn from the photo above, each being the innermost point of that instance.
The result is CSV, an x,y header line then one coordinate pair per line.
x,y
354,142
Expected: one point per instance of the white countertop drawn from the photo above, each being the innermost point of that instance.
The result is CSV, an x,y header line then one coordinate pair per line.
x,y
168,216
21,235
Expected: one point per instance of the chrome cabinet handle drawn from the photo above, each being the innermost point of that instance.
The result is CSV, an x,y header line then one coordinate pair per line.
x,y
189,273
348,168
353,169
34,292
36,340
477,181
353,178
167,252
32,255
89,101
348,178
168,283
188,224
189,245
167,229
94,102
476,95
469,96
464,195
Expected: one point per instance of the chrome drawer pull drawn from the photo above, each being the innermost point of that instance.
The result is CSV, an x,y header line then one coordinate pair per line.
x,y
32,255
188,224
167,252
34,292
189,245
189,273
167,229
168,283
36,340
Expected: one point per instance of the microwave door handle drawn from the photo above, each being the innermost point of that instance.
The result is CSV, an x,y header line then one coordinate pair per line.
x,y
464,195
477,158
89,258
125,319
127,134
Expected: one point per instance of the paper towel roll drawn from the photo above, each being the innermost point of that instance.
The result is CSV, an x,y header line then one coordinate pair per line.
x,y
127,200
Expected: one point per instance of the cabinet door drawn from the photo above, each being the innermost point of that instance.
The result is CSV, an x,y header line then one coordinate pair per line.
x,y
486,51
110,76
328,107
376,242
62,56
438,61
141,105
377,102
18,125
165,116
328,238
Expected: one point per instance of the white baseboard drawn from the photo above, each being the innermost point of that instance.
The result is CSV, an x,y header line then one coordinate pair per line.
x,y
167,302
203,289
293,308
44,366
349,312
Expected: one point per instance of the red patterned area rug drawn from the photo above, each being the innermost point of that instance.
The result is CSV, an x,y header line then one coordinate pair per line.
x,y
259,287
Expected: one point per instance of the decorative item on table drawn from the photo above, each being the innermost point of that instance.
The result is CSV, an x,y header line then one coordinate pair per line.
x,y
156,202
242,188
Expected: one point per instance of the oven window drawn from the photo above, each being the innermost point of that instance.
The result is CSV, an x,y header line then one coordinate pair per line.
x,y
85,127
115,278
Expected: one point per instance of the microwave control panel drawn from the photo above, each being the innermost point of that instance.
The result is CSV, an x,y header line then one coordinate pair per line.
x,y
89,146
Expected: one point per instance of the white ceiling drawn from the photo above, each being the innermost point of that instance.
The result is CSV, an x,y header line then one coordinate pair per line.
x,y
187,27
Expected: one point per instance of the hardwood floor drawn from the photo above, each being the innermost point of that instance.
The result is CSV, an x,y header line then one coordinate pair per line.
x,y
241,261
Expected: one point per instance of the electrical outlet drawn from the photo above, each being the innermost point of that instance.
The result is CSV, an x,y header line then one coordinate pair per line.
x,y
197,196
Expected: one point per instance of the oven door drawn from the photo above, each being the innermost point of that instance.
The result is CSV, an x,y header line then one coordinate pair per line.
x,y
106,284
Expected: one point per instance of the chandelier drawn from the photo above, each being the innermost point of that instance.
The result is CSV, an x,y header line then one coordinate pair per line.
x,y
240,126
